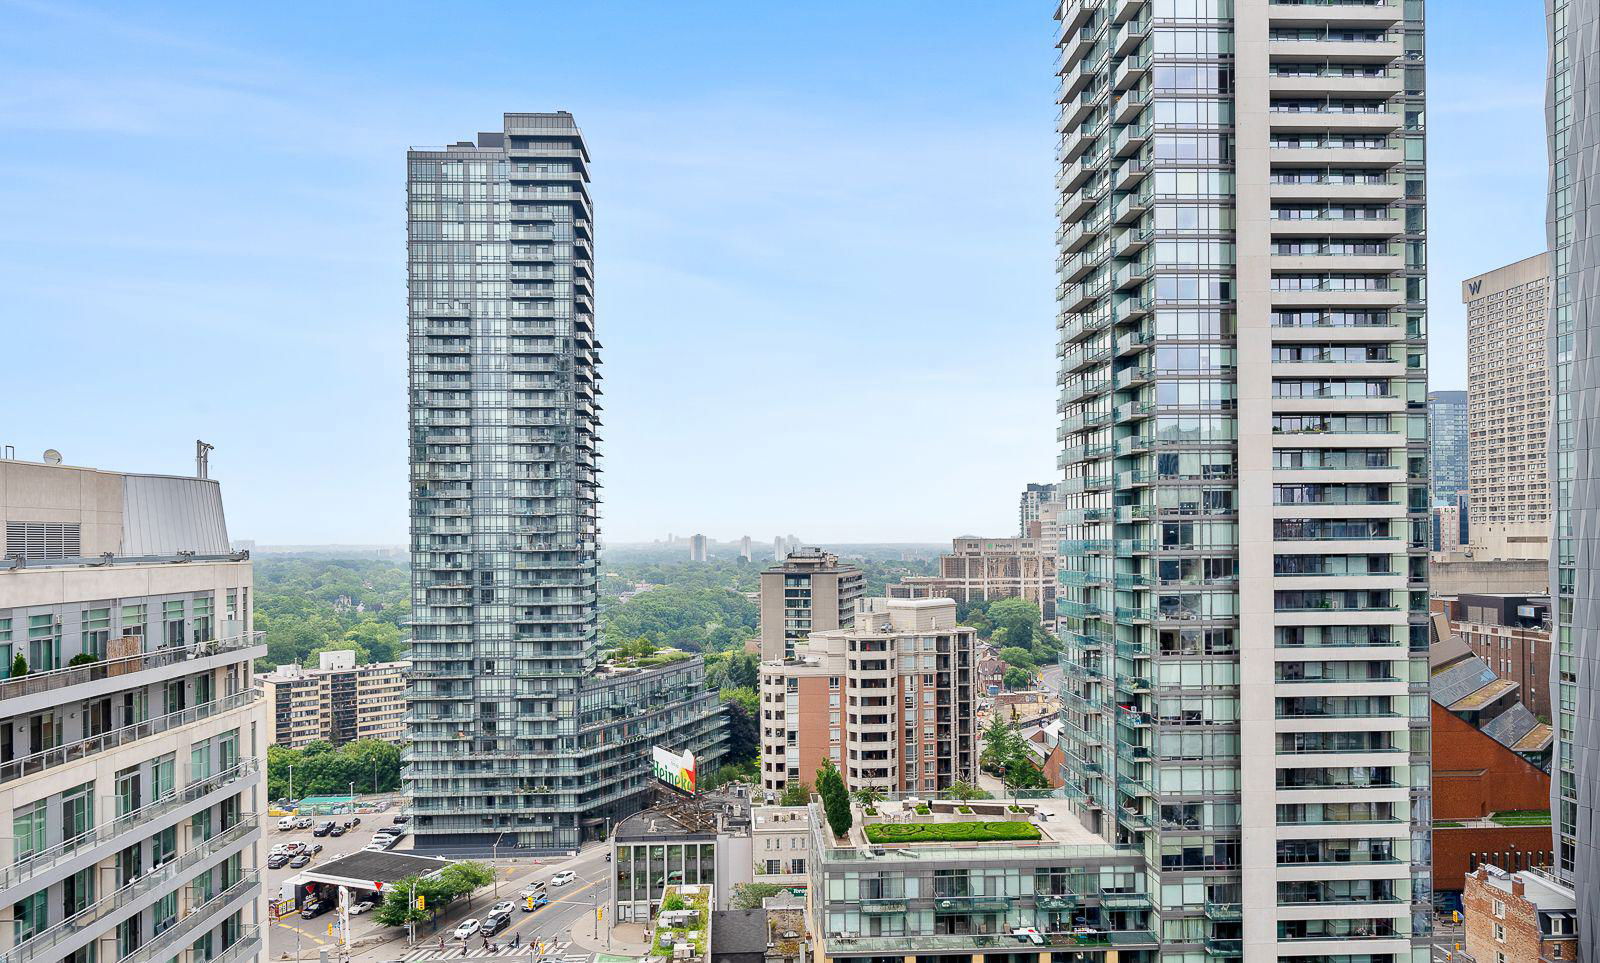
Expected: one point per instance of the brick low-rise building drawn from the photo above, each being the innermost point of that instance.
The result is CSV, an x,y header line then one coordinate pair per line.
x,y
891,701
1525,917
1512,634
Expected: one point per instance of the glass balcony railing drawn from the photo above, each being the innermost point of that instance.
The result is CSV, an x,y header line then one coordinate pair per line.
x,y
85,748
43,946
163,946
26,866
36,682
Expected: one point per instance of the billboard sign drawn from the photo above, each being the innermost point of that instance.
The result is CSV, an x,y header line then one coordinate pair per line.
x,y
674,770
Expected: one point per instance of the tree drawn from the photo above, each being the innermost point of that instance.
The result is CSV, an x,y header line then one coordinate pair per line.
x,y
961,789
1012,655
748,896
1019,617
868,796
1023,773
795,794
743,671
744,729
19,666
1016,678
835,800
1001,744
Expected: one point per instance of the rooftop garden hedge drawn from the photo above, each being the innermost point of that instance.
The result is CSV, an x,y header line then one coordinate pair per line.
x,y
962,832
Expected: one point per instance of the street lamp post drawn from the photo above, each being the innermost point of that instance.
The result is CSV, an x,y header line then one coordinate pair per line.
x,y
494,858
411,923
291,784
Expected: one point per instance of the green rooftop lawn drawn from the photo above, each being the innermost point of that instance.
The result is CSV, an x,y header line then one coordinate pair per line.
x,y
962,832
1523,817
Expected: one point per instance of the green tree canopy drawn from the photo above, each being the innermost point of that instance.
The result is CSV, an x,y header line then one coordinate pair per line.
x,y
795,794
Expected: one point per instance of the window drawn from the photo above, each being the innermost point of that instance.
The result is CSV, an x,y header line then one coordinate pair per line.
x,y
77,892
200,827
32,915
200,762
77,811
172,619
128,794
134,619
96,630
28,826
164,846
1499,932
164,913
228,749
1499,907
44,643
164,777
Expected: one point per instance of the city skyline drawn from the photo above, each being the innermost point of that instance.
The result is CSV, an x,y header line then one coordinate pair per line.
x,y
329,341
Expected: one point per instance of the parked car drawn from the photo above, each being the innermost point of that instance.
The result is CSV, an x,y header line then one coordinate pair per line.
x,y
304,822
361,907
286,823
354,821
337,831
563,878
316,848
401,819
300,861
315,907
323,828
295,848
493,924
467,930
277,860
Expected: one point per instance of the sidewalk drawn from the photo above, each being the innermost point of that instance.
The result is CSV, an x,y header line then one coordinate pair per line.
x,y
627,939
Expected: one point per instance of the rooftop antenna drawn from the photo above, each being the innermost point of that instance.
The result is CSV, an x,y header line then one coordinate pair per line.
x,y
202,458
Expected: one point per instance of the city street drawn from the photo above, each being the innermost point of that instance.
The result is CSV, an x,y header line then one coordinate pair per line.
x,y
570,911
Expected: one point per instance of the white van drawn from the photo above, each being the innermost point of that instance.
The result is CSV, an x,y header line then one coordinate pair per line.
x,y
286,823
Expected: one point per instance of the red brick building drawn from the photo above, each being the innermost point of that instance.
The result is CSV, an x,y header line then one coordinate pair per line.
x,y
1522,917
1512,634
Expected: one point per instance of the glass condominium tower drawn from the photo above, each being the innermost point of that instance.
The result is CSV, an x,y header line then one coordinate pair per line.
x,y
1244,423
1574,143
520,734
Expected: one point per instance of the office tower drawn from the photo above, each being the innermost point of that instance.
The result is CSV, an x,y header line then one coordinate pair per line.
x,y
809,591
779,550
744,548
1033,498
1508,409
791,544
336,702
1574,350
1447,445
986,569
130,749
890,700
697,548
520,734
1244,401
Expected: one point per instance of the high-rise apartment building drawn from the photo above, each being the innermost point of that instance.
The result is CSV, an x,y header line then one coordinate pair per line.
x,y
780,550
336,702
1508,409
519,734
744,547
1447,445
1244,401
1034,497
809,591
697,548
130,747
1574,457
890,700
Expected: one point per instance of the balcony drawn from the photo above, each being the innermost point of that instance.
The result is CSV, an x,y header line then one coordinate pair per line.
x,y
97,916
80,749
96,844
124,671
164,945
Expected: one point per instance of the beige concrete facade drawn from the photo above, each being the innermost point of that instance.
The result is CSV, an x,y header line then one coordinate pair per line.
x,y
131,747
891,701
810,591
1508,409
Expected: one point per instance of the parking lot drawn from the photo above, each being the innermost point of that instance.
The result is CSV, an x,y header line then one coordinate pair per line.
x,y
550,926
315,932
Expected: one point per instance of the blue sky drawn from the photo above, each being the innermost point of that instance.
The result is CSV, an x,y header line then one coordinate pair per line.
x,y
824,243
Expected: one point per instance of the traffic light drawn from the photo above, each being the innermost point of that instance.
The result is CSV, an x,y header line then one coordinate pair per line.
x,y
422,902
1455,916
